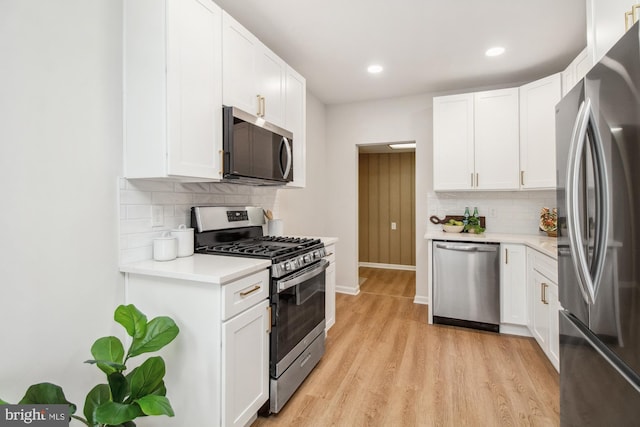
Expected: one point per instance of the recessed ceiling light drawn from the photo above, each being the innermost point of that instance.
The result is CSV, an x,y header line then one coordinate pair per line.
x,y
402,146
374,69
495,51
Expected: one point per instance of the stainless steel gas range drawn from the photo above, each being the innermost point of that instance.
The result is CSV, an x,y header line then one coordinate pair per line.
x,y
297,293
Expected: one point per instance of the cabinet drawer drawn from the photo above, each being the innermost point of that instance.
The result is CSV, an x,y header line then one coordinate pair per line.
x,y
546,265
331,253
243,293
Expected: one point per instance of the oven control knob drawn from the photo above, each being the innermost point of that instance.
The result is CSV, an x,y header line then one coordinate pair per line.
x,y
307,258
287,266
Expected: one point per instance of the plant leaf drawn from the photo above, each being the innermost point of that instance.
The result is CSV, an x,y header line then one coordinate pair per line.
x,y
113,413
119,387
46,393
161,390
146,378
116,366
133,320
108,349
2,402
96,397
160,332
155,405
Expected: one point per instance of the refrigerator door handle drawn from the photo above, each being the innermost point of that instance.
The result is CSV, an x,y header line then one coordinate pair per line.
x,y
588,278
603,206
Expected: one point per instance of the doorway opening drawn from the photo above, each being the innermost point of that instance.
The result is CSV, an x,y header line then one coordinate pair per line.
x,y
386,209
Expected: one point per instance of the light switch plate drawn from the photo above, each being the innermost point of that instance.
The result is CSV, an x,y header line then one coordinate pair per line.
x,y
157,216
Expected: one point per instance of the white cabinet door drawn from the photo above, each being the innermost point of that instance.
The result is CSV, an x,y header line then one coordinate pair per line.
x,y
540,312
605,24
172,96
194,90
576,70
513,284
496,139
330,292
270,75
538,132
295,122
554,327
245,364
239,66
453,146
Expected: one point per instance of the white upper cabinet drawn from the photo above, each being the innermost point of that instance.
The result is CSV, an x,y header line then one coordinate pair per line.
x,y
475,141
173,89
537,132
496,139
453,165
253,76
295,121
576,70
606,24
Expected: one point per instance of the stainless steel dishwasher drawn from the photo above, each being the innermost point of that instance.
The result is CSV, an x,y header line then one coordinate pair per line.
x,y
466,284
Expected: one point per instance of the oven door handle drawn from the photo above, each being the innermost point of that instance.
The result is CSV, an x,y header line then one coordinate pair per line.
x,y
303,276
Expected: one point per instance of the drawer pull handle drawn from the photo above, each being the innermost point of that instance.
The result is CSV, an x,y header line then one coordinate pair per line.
x,y
250,291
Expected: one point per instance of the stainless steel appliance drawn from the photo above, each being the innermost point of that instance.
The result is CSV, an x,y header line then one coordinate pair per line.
x,y
255,151
297,292
466,284
598,158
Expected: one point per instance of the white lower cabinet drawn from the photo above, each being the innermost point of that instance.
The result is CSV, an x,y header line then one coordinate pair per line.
x,y
542,279
330,291
218,365
245,378
513,289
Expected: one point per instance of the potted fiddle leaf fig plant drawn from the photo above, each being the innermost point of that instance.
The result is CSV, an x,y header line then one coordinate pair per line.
x,y
125,396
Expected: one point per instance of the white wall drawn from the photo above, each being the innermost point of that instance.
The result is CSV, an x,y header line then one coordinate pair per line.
x,y
60,154
303,210
390,120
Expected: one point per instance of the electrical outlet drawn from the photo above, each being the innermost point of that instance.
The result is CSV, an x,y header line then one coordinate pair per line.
x,y
394,226
492,212
157,216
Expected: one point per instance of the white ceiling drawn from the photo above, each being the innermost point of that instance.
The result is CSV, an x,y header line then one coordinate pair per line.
x,y
424,45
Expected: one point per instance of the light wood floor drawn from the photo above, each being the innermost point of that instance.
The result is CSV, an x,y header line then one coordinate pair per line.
x,y
385,366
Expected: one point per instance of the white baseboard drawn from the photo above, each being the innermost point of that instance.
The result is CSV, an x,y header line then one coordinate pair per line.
x,y
519,330
421,300
348,290
387,266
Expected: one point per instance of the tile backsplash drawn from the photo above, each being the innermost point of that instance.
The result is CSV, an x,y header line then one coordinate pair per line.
x,y
174,199
516,212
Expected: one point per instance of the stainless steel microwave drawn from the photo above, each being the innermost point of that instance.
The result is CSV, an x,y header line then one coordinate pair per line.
x,y
255,151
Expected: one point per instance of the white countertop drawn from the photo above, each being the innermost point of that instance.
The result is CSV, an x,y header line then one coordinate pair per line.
x,y
544,244
199,268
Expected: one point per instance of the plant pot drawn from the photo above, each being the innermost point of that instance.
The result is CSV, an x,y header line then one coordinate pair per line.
x,y
553,233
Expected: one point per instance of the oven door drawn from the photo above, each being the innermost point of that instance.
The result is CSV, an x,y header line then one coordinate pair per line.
x,y
299,307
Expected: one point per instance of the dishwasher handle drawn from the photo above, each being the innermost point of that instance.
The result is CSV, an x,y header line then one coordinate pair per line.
x,y
467,248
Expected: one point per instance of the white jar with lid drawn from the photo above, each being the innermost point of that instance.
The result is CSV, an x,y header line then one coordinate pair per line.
x,y
185,240
165,248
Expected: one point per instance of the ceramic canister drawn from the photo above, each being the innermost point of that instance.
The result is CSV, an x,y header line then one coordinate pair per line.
x,y
165,248
185,240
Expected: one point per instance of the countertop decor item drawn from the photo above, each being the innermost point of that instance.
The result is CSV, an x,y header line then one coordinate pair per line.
x,y
139,393
474,225
549,221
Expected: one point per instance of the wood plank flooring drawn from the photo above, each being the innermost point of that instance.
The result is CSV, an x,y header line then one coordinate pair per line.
x,y
385,366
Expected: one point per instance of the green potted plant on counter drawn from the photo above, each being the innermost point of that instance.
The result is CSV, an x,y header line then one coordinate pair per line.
x,y
139,393
473,225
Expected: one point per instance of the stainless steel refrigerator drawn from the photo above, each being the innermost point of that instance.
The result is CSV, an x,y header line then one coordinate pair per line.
x,y
598,163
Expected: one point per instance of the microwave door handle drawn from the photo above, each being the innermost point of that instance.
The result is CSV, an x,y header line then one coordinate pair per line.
x,y
603,207
578,258
284,142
